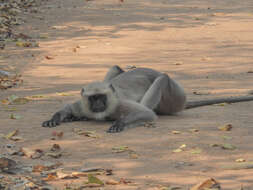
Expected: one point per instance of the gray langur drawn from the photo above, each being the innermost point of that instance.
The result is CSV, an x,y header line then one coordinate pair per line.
x,y
130,98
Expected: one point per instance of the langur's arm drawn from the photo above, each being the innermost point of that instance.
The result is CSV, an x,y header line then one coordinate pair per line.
x,y
112,73
131,115
58,117
70,112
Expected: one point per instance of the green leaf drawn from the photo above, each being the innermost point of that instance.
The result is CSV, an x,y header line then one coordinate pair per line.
x,y
177,150
196,151
15,116
64,94
227,137
120,149
12,98
93,179
43,36
36,96
228,146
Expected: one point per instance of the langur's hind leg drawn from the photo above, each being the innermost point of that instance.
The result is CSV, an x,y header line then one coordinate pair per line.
x,y
113,72
164,96
153,96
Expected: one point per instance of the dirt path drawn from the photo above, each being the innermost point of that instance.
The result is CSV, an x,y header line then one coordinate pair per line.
x,y
205,45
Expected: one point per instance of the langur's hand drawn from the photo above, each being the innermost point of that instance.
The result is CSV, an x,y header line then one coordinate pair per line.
x,y
56,120
117,127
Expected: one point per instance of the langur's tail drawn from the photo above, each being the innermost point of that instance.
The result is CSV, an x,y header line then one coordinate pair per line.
x,y
195,104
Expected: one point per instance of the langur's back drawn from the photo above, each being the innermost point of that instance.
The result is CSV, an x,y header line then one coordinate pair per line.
x,y
134,83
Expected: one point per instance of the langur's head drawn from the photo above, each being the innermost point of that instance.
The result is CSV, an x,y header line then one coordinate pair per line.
x,y
99,99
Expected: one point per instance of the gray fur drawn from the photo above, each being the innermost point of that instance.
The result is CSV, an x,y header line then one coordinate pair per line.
x,y
200,103
133,97
112,73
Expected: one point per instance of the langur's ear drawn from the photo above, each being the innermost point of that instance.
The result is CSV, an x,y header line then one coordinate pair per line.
x,y
110,86
82,91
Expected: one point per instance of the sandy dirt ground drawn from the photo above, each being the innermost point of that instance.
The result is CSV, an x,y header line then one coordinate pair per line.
x,y
205,45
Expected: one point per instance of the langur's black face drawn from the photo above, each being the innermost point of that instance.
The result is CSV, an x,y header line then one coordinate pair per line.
x,y
98,102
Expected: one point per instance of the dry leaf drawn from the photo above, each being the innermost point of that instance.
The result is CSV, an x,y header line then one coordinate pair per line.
x,y
46,167
9,81
43,36
238,166
125,181
221,104
201,93
5,101
214,145
12,151
218,14
62,175
180,149
85,174
49,57
17,138
57,134
240,160
11,134
39,168
50,177
13,99
133,155
176,132
32,153
6,164
10,109
193,130
183,146
54,154
19,101
88,134
149,125
112,182
55,148
173,188
206,59
91,185
79,174
226,127
178,63
96,171
130,67
92,169
108,172
207,184
211,24
23,44
27,44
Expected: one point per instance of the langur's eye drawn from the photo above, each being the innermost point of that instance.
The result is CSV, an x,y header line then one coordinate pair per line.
x,y
82,91
113,89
